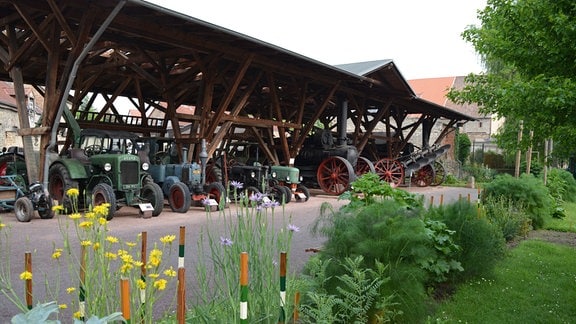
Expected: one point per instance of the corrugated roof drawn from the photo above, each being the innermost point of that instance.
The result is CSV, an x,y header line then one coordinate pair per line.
x,y
364,68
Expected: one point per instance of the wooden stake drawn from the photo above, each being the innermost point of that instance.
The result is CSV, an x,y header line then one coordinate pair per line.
x,y
125,298
82,297
144,259
244,287
28,268
282,317
296,314
181,291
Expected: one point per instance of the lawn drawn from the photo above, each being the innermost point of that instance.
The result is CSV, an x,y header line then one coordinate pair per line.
x,y
536,283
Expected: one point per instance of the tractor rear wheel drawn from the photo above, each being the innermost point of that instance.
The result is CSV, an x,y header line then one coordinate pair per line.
x,y
179,197
279,194
23,209
59,182
363,165
153,194
103,193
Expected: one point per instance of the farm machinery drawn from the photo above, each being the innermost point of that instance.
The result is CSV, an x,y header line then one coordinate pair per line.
x,y
184,184
15,195
105,166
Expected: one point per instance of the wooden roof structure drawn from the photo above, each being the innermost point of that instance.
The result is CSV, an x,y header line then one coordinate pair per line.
x,y
152,55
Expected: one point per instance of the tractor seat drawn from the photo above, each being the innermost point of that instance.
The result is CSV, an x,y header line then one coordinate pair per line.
x,y
78,154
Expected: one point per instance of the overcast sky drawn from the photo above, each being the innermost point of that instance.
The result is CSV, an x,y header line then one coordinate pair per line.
x,y
421,36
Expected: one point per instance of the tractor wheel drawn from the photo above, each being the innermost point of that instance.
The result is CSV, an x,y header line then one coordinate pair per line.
x,y
363,165
288,192
279,194
216,191
59,181
23,209
103,193
391,171
439,174
44,207
424,176
213,174
179,197
335,175
302,190
153,194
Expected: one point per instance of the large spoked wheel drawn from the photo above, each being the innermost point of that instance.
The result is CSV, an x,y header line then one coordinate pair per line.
x,y
364,166
424,176
23,209
216,191
390,171
59,181
103,193
179,197
335,175
153,194
439,174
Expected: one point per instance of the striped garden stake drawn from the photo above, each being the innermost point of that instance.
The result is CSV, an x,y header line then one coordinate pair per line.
x,y
431,201
441,199
296,315
244,287
181,290
28,268
282,317
144,259
125,299
82,297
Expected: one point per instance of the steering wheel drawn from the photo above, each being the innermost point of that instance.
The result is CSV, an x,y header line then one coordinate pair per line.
x,y
93,149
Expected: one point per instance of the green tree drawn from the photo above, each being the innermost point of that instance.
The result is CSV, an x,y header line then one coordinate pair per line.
x,y
530,55
463,145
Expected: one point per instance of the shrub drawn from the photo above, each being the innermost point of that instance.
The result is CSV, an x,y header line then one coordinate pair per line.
x,y
562,185
509,216
527,191
481,243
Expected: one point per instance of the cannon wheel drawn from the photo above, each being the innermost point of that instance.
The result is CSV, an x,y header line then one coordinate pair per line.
x,y
335,175
364,166
391,171
439,174
424,176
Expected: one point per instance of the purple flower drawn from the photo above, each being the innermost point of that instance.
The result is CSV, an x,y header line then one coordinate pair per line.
x,y
236,184
293,228
206,201
226,241
256,196
275,204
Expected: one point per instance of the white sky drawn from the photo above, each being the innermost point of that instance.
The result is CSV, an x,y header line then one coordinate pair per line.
x,y
422,37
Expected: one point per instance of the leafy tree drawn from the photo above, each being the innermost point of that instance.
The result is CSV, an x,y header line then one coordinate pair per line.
x,y
530,55
463,145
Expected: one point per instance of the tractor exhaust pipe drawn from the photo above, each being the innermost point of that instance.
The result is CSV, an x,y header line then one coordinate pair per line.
x,y
342,119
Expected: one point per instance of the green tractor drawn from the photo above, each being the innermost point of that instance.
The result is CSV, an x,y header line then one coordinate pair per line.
x,y
106,167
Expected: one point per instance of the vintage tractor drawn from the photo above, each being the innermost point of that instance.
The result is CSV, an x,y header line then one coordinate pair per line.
x,y
256,179
105,167
184,184
289,177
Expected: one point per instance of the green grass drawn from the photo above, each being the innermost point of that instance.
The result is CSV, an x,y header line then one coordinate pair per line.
x,y
566,224
534,284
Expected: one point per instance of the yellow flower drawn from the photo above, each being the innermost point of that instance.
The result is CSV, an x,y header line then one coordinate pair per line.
x,y
141,284
96,246
102,209
75,216
102,221
126,267
122,252
70,290
112,239
138,263
86,224
131,244
127,258
170,272
160,284
57,254
2,225
58,208
110,255
153,275
90,215
168,239
26,275
73,192
62,306
77,315
86,243
155,257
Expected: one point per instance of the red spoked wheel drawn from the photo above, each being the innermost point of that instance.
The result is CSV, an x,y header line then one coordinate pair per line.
x,y
364,166
391,171
439,174
335,175
424,176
